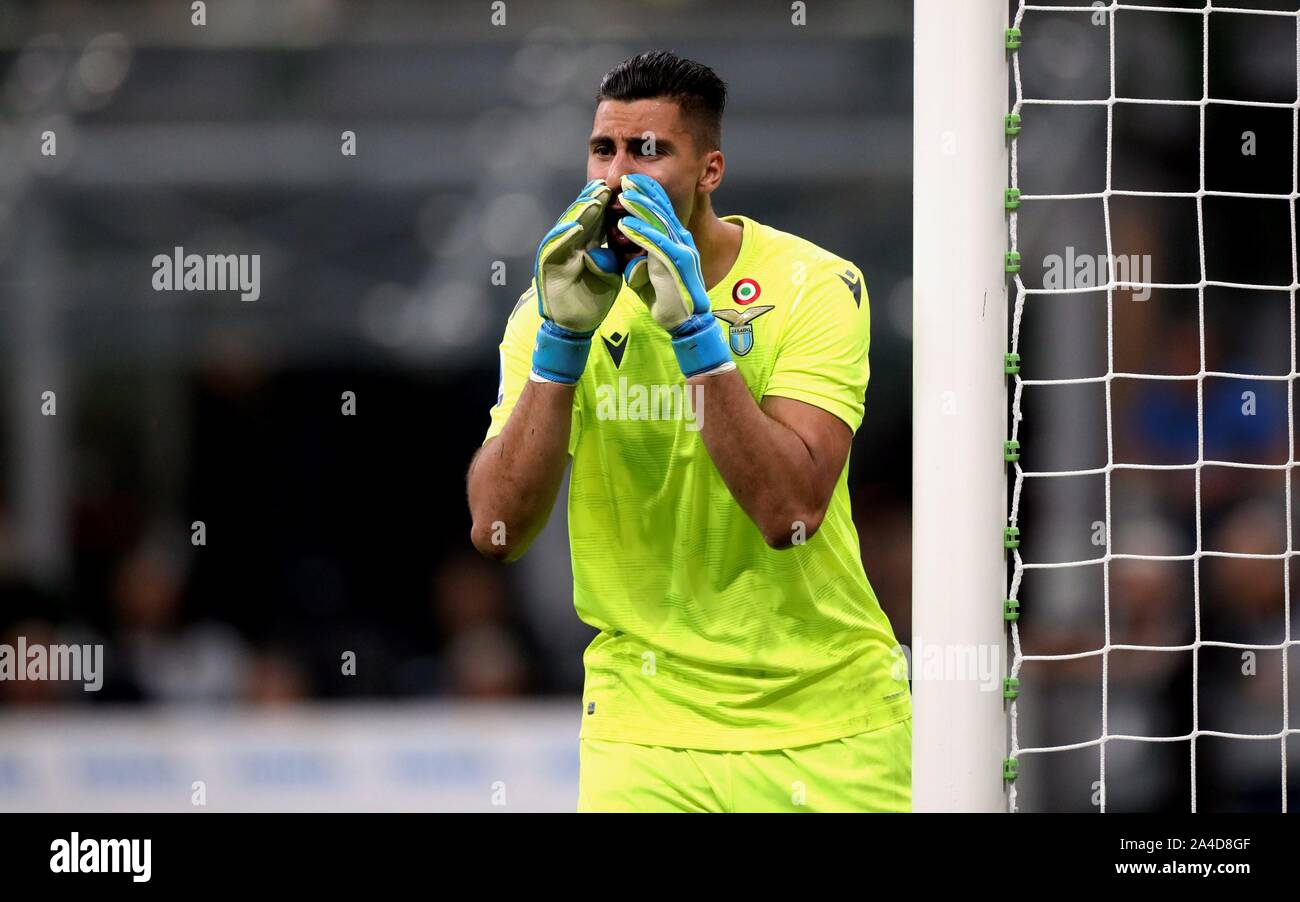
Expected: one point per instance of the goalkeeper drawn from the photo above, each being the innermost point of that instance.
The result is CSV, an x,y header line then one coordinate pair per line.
x,y
706,376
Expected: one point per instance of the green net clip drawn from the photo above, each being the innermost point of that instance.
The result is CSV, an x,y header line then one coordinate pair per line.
x,y
1011,199
1009,769
1013,38
1012,262
1010,688
1011,124
1011,537
1011,451
1011,610
1011,364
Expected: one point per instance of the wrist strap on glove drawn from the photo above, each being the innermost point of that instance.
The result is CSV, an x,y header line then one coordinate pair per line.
x,y
700,345
560,354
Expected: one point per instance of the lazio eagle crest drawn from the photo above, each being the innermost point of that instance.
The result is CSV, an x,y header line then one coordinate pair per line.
x,y
740,331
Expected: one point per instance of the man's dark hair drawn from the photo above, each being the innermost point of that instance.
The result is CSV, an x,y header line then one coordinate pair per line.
x,y
696,89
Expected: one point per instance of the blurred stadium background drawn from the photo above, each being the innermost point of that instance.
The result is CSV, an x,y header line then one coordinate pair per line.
x,y
324,533
328,534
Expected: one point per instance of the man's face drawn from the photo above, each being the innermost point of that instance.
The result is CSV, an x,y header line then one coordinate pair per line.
x,y
648,137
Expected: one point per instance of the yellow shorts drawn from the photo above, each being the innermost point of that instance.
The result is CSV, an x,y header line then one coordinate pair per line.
x,y
868,772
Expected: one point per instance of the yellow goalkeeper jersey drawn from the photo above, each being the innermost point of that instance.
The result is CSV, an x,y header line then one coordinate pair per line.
x,y
709,638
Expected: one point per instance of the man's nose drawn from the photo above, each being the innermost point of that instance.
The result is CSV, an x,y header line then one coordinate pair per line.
x,y
620,166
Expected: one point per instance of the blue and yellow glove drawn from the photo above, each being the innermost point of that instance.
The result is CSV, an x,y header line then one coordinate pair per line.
x,y
577,281
668,278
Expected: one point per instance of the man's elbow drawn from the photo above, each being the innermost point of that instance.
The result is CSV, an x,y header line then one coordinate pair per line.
x,y
491,539
788,531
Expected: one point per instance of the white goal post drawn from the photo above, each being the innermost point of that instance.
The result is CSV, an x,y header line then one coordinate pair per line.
x,y
959,392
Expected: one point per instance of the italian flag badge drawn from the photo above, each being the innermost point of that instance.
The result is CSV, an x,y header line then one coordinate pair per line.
x,y
746,292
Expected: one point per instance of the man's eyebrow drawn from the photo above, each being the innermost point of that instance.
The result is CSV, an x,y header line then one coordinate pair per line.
x,y
633,140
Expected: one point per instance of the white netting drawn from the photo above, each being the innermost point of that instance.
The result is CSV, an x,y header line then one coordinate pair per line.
x,y
1112,22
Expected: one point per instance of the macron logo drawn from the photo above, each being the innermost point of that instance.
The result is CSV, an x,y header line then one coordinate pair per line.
x,y
102,856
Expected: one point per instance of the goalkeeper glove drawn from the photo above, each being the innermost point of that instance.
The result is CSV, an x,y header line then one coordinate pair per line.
x,y
577,281
668,278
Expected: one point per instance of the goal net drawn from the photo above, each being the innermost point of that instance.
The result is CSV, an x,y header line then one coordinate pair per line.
x,y
1152,249
1105,279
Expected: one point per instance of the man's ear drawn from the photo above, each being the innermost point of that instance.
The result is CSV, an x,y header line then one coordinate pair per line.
x,y
714,166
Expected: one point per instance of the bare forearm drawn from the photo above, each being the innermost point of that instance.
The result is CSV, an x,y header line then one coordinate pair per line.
x,y
769,469
515,477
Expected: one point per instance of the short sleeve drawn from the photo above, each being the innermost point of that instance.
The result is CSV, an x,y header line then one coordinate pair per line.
x,y
515,362
822,358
